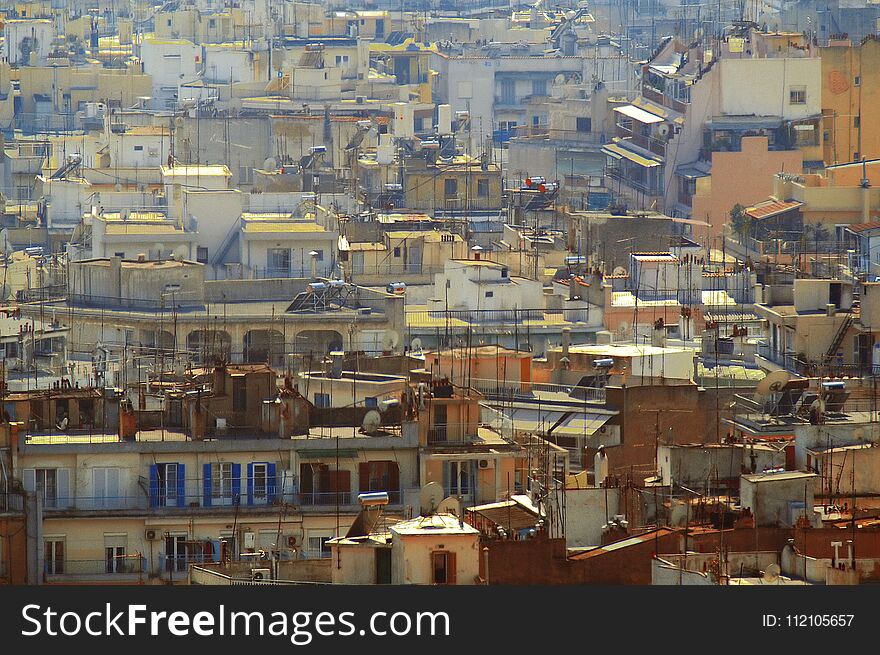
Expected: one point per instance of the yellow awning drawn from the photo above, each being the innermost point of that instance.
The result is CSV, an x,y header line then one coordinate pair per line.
x,y
617,151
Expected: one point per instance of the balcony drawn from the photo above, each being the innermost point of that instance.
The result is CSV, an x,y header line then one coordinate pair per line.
x,y
789,361
120,570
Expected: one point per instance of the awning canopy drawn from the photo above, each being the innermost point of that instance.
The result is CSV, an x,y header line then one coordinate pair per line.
x,y
638,114
618,152
581,424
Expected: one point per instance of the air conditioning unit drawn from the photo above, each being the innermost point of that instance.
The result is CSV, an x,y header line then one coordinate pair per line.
x,y
291,541
487,463
260,575
150,535
250,540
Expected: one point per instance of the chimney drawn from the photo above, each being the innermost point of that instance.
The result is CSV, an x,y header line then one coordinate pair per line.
x,y
566,341
219,381
116,277
314,264
336,358
830,309
141,257
572,288
476,250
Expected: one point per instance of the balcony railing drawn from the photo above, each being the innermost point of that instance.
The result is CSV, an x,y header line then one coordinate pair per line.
x,y
189,501
129,565
833,368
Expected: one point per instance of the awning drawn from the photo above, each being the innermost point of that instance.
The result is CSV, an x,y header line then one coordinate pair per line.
x,y
772,208
616,151
694,170
325,453
581,424
638,114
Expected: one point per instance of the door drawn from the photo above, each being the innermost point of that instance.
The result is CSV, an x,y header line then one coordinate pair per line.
x,y
168,485
105,484
383,566
175,552
115,559
261,484
54,556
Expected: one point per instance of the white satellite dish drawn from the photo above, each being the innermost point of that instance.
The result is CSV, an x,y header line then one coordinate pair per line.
x,y
390,340
772,383
430,498
449,505
618,270
372,422
415,346
270,164
771,574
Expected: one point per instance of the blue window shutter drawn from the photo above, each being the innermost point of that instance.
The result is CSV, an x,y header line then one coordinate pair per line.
x,y
236,484
215,551
250,484
181,485
154,485
206,483
271,482
446,477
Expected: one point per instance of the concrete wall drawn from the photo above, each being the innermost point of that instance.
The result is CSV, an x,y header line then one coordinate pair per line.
x,y
586,511
411,557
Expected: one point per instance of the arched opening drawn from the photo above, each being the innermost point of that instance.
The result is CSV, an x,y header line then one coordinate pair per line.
x,y
318,342
209,346
264,346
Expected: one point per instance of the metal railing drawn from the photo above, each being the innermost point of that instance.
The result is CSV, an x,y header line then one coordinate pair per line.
x,y
11,502
126,565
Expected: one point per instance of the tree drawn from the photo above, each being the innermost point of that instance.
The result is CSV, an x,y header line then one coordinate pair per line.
x,y
740,220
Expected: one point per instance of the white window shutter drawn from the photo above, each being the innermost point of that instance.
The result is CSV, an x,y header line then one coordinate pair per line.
x,y
63,482
113,487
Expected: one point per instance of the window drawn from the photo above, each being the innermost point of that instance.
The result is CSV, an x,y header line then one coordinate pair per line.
x,y
318,546
797,95
857,80
483,188
856,155
121,255
105,487
278,260
584,124
138,148
371,401
320,256
221,482
442,567
490,294
539,87
202,255
212,22
504,272
457,478
169,22
50,484
322,400
397,251
450,187
53,554
239,394
857,121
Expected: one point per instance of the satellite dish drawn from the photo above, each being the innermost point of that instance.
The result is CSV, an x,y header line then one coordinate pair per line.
x,y
859,434
270,164
430,498
772,383
449,505
390,340
416,346
181,253
619,270
372,422
771,575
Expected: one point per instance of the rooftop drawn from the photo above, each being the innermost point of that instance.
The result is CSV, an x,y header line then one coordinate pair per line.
x,y
434,524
